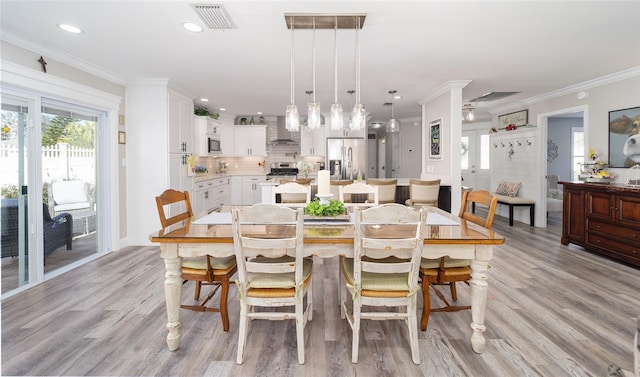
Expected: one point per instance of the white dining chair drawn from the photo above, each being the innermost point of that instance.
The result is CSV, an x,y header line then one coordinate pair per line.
x,y
272,271
384,269
292,194
368,193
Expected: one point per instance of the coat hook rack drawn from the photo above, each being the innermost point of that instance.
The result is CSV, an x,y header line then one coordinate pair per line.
x,y
528,142
519,143
495,145
510,144
502,144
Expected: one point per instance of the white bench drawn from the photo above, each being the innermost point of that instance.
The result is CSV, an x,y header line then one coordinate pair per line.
x,y
518,201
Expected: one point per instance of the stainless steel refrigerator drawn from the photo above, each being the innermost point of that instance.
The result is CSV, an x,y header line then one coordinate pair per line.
x,y
346,157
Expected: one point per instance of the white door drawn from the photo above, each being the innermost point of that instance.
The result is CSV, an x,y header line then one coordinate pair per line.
x,y
475,162
382,157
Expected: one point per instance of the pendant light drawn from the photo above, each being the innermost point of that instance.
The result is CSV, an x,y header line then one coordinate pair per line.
x,y
350,92
336,108
313,112
292,117
393,126
358,114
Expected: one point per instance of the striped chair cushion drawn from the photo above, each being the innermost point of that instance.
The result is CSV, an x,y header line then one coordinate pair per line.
x,y
448,263
286,280
375,282
200,263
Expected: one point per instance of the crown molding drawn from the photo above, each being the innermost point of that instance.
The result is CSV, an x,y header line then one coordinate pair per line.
x,y
62,57
594,83
451,84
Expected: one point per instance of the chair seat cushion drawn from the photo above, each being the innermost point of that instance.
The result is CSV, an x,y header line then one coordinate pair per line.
x,y
285,280
200,263
376,282
448,263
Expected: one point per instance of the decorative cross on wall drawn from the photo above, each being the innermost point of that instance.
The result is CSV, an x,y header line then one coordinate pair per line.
x,y
44,64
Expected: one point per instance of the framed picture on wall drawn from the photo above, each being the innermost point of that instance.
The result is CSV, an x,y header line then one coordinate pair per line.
x,y
624,137
519,118
435,139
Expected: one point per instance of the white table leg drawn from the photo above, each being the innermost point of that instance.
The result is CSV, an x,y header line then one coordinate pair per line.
x,y
479,290
172,292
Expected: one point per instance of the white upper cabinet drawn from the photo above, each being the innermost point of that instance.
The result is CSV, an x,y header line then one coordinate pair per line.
x,y
312,142
249,141
204,126
180,123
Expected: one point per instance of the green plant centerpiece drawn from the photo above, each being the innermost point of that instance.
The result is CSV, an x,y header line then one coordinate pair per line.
x,y
334,208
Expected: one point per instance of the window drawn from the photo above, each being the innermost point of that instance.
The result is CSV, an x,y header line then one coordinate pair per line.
x,y
577,151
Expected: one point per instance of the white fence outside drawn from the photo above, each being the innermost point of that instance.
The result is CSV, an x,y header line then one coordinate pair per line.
x,y
59,162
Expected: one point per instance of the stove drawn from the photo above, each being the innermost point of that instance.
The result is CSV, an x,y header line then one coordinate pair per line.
x,y
283,170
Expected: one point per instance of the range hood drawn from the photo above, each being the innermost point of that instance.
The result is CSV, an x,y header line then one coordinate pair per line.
x,y
283,136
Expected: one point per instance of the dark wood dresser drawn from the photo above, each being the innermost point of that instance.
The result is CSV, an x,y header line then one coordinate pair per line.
x,y
604,218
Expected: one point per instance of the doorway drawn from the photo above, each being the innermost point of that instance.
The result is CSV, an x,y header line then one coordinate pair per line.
x,y
565,133
475,159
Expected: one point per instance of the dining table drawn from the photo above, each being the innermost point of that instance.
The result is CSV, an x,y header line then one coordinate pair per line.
x,y
445,235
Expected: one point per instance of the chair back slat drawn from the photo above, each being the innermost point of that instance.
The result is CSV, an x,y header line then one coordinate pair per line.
x,y
174,200
377,250
249,245
482,197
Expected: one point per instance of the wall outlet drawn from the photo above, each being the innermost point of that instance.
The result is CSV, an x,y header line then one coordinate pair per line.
x,y
429,168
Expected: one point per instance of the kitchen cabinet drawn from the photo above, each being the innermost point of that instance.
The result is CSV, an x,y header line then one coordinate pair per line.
x,y
602,218
236,190
210,195
250,140
180,123
160,137
204,126
226,140
251,189
312,142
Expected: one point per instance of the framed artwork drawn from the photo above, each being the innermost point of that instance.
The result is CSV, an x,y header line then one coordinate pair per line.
x,y
624,137
519,118
122,137
435,139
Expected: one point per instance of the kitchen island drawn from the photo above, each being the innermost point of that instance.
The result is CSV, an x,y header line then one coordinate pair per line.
x,y
402,192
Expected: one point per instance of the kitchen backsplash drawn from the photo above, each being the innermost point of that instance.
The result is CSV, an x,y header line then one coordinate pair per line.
x,y
275,153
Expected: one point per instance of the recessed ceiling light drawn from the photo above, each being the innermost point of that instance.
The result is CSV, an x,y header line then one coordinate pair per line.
x,y
192,27
397,96
259,112
70,28
204,99
223,109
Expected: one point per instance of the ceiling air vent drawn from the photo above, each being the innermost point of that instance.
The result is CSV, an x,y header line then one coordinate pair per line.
x,y
492,96
215,16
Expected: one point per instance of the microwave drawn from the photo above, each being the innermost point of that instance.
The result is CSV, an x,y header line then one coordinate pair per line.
x,y
213,144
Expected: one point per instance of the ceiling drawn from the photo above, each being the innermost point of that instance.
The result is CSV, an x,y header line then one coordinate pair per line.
x,y
413,47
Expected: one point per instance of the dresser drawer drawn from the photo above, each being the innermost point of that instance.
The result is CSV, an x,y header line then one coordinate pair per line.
x,y
620,249
630,234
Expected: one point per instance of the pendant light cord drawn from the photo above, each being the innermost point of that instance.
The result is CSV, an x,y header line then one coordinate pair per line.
x,y
313,58
292,58
358,61
335,65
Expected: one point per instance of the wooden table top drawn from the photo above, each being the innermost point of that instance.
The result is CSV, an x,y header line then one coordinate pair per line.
x,y
335,233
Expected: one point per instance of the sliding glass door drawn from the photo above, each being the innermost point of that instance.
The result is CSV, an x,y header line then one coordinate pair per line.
x,y
14,183
50,212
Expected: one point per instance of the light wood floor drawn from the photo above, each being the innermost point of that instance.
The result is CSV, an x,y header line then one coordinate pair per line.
x,y
553,310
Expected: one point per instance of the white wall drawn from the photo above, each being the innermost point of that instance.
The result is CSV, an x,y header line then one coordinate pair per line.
x,y
518,167
410,148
